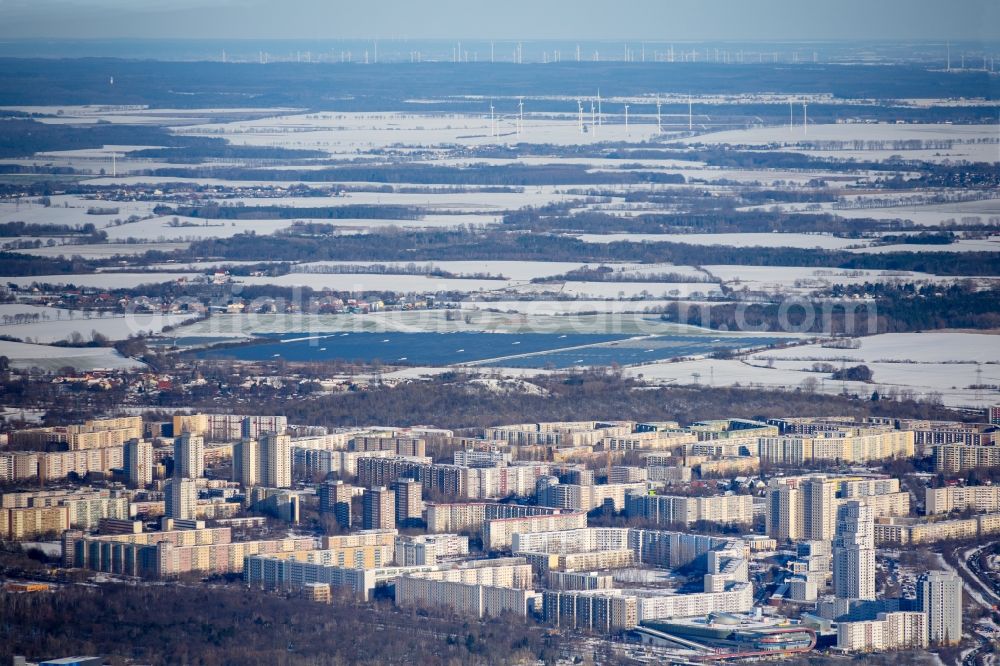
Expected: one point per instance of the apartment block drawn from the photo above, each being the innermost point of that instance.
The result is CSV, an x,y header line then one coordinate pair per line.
x,y
28,523
955,458
228,427
168,554
804,507
335,498
409,501
429,549
851,446
891,631
669,509
378,509
981,499
189,456
939,596
464,516
137,459
604,611
466,599
558,434
549,492
401,446
367,549
181,499
499,533
275,460
480,458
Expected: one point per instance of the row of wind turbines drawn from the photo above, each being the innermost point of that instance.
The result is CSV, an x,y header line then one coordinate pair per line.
x,y
597,116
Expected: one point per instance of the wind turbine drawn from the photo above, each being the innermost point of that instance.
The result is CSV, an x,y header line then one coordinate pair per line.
x,y
805,117
520,115
626,120
690,115
659,126
493,127
579,109
600,116
593,117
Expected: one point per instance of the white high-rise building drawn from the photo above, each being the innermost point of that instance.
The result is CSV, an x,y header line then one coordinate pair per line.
x,y
189,456
276,460
181,499
138,463
246,463
854,552
939,595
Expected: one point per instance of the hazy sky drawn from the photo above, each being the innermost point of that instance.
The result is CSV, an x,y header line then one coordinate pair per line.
x,y
766,20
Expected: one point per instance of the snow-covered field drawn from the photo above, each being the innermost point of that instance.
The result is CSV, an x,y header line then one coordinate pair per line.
x,y
360,282
120,280
344,132
566,307
809,241
103,251
794,279
512,270
160,229
931,347
55,324
52,358
796,136
931,215
623,290
942,363
991,244
516,279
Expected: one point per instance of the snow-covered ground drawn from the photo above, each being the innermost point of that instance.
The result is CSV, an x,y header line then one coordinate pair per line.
x,y
103,280
345,132
944,362
513,270
103,250
23,355
797,136
55,324
794,279
809,241
423,284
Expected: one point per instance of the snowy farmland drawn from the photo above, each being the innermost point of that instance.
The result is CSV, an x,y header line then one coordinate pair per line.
x,y
53,358
102,250
349,132
795,279
55,324
110,280
930,365
972,142
808,241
